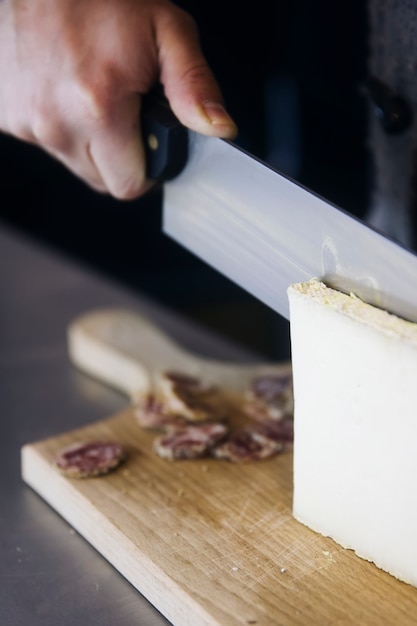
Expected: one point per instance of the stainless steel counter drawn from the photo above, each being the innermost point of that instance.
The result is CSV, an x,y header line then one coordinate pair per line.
x,y
48,574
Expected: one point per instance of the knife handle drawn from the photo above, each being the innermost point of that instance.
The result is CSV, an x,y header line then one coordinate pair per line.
x,y
165,138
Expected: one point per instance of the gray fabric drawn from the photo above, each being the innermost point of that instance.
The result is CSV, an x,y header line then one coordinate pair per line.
x,y
393,59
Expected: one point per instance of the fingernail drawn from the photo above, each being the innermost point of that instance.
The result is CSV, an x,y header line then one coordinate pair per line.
x,y
217,114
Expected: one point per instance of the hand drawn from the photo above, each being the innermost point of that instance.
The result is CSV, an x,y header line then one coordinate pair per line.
x,y
72,73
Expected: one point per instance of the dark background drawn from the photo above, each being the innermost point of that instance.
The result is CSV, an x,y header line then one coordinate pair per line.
x,y
291,74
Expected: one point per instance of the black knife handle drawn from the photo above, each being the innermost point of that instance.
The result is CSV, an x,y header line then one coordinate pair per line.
x,y
164,137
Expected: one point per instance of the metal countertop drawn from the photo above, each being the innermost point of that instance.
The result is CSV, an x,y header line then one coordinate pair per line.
x,y
49,574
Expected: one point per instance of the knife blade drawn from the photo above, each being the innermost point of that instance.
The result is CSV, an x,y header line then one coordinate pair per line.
x,y
265,232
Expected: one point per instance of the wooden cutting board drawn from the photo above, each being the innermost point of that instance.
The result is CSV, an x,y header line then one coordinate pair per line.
x,y
207,542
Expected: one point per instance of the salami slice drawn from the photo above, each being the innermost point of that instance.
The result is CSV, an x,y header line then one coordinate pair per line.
x,y
189,397
271,386
279,431
151,413
189,442
85,460
243,447
194,384
270,397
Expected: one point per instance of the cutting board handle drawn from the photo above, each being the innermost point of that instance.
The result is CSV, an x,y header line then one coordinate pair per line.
x,y
123,349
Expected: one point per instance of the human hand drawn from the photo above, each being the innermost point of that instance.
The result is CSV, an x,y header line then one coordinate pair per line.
x,y
73,73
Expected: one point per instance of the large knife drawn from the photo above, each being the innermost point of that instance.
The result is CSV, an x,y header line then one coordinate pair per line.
x,y
264,231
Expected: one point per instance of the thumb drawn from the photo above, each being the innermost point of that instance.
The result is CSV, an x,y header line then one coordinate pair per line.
x,y
189,84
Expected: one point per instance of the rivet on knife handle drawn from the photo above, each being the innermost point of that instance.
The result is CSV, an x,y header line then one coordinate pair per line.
x,y
165,139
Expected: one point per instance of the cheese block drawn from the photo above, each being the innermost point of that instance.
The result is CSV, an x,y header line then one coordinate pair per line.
x,y
355,439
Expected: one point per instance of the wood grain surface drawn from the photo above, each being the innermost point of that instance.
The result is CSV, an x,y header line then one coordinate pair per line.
x,y
210,542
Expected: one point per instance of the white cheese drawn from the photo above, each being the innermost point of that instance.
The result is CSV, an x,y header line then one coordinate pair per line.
x,y
355,442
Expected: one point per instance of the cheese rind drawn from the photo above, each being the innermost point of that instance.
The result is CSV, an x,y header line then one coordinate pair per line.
x,y
355,420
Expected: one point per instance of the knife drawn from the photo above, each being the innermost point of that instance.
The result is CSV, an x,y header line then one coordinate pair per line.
x,y
263,230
